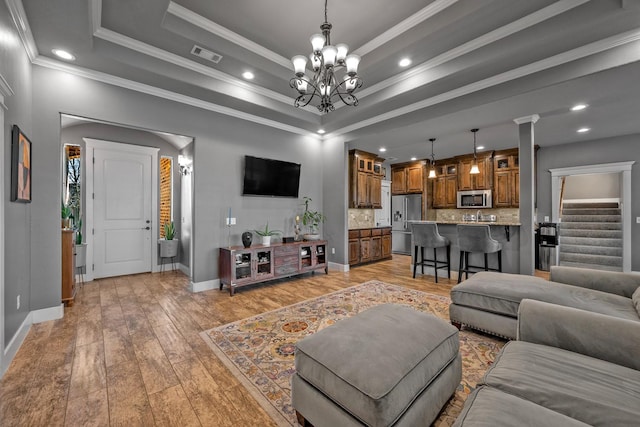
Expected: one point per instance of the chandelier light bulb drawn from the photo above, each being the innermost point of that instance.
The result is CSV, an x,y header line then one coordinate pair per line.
x,y
432,173
302,84
474,167
352,61
316,61
329,54
349,83
299,64
343,49
317,42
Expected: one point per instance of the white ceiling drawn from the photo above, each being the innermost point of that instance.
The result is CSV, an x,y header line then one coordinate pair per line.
x,y
476,63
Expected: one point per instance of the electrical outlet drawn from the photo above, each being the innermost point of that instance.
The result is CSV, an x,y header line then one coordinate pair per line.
x,y
18,303
546,218
333,251
231,221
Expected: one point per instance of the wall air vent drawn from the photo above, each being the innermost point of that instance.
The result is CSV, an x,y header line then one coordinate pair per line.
x,y
206,54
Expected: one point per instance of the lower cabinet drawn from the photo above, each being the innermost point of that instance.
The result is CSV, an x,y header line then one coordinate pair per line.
x,y
369,244
240,266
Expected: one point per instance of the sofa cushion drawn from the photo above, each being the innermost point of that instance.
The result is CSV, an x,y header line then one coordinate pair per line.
x,y
376,363
490,407
593,391
636,300
501,293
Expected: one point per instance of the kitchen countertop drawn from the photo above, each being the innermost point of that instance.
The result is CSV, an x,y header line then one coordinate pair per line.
x,y
370,228
454,222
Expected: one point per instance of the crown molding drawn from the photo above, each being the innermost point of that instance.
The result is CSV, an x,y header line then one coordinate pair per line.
x,y
422,15
165,94
477,43
19,16
163,55
5,91
210,26
527,119
541,65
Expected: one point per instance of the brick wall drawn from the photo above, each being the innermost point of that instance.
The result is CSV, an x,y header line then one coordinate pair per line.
x,y
165,192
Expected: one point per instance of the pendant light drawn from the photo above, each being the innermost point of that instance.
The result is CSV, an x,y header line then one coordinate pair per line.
x,y
432,172
474,167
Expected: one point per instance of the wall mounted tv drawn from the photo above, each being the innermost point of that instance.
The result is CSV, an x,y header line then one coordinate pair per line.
x,y
266,177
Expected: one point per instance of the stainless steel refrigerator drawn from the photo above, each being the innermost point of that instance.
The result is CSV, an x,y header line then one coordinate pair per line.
x,y
404,209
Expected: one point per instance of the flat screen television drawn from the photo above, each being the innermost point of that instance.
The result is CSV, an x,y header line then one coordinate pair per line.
x,y
267,177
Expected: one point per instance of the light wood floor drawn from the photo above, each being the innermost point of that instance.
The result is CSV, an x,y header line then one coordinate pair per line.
x,y
128,352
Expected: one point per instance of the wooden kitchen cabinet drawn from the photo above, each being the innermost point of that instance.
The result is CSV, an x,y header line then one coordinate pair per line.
x,y
480,181
506,192
369,245
445,186
407,178
365,180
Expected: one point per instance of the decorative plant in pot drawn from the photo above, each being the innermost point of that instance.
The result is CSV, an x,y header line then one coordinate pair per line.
x,y
312,220
266,234
169,245
65,214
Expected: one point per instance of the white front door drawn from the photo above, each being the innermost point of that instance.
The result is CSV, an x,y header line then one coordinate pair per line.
x,y
123,218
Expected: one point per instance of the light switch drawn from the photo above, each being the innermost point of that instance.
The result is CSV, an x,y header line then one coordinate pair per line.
x,y
638,220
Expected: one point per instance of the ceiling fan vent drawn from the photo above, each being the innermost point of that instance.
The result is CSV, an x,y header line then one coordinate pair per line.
x,y
206,54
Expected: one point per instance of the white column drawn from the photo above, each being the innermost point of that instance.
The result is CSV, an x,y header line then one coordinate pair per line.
x,y
527,192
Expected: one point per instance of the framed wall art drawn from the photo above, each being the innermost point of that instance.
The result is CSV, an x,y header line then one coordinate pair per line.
x,y
20,166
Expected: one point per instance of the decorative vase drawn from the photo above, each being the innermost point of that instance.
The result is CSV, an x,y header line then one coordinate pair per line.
x,y
266,240
247,237
168,248
311,236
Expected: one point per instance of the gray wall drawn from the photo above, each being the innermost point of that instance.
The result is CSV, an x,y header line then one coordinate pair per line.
x,y
610,150
16,70
596,186
220,144
123,135
186,210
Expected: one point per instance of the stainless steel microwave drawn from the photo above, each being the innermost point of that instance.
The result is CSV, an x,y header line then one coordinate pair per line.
x,y
474,199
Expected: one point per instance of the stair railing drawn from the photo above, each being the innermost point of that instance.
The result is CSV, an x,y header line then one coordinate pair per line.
x,y
562,184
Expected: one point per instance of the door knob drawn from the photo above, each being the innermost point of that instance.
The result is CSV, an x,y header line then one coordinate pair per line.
x,y
146,228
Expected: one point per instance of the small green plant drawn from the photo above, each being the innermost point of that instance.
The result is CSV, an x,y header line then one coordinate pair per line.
x,y
169,230
311,219
65,211
267,232
79,232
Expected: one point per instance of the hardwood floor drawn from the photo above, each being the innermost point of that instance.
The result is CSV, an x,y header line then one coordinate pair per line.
x,y
128,352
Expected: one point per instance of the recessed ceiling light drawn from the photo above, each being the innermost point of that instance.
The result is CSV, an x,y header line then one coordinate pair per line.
x,y
248,75
583,130
480,147
414,158
578,107
321,131
63,54
404,62
382,149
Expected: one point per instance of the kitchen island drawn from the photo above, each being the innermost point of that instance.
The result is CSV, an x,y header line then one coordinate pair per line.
x,y
507,233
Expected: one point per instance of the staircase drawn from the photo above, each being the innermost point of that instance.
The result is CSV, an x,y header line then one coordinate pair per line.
x,y
591,236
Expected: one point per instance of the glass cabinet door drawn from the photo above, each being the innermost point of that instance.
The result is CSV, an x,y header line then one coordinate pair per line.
x,y
264,263
243,266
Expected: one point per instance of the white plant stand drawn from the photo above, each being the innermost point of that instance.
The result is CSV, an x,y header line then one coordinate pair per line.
x,y
168,249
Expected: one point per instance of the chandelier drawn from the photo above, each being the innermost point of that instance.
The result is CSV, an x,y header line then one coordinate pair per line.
x,y
432,171
474,166
325,84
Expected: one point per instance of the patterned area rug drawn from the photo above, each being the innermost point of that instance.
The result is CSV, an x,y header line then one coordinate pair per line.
x,y
259,351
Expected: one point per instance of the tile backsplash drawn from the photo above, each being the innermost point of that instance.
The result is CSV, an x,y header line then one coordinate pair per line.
x,y
361,218
503,214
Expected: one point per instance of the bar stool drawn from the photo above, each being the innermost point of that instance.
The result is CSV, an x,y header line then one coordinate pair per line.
x,y
425,235
476,238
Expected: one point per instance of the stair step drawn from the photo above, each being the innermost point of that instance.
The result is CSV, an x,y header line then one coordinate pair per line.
x,y
591,250
589,205
591,218
580,232
593,266
592,225
591,241
591,211
612,261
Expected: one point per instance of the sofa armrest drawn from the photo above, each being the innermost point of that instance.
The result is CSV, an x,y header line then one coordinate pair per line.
x,y
597,335
613,282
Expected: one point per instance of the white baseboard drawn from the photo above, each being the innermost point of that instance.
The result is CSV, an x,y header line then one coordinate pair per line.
x,y
601,200
184,269
46,314
204,286
339,267
15,343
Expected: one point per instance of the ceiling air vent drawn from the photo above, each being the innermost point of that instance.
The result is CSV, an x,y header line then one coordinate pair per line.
x,y
206,54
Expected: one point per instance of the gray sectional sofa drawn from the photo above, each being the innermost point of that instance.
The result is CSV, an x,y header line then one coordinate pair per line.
x,y
489,301
569,367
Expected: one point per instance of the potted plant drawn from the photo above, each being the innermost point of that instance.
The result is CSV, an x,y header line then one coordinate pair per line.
x,y
169,245
65,213
81,248
312,220
266,234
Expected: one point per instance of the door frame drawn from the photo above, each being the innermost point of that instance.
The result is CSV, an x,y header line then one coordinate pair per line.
x,y
90,145
621,167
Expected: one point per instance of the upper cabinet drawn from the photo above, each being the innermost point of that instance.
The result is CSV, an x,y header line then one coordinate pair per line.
x,y
445,184
506,169
407,178
365,179
480,181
